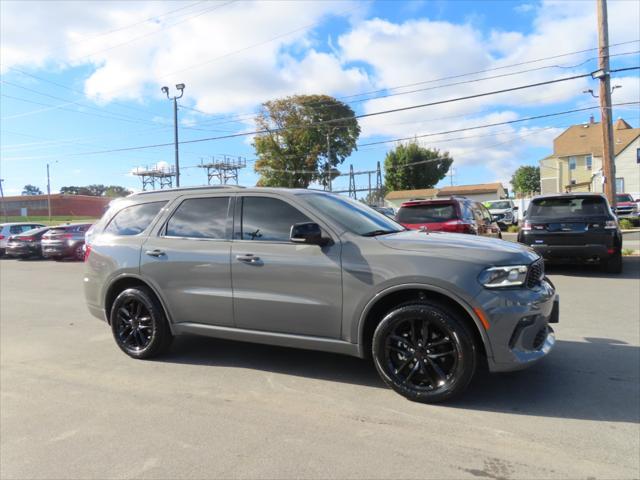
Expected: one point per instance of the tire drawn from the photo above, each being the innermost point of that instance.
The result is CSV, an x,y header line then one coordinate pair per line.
x,y
78,252
613,264
143,332
437,375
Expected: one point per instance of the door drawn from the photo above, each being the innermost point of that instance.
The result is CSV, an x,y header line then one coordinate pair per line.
x,y
187,260
278,285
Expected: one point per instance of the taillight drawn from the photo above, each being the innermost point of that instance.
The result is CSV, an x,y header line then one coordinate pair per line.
x,y
87,251
27,239
67,235
1,237
611,225
458,226
526,225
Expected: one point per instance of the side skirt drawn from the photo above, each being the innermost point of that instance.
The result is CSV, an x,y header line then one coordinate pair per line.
x,y
269,338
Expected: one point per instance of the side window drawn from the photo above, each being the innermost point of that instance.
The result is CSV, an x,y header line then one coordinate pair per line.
x,y
268,219
200,218
134,219
485,213
467,212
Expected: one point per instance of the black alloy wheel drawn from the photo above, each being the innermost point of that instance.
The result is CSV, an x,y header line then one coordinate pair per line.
x,y
78,252
424,352
138,323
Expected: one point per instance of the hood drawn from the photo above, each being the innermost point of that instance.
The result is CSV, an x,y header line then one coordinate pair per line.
x,y
496,211
472,248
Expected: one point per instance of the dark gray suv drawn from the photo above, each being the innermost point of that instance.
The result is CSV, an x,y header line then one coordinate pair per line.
x,y
309,269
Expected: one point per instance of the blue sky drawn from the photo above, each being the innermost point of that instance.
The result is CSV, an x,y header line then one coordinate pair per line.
x,y
81,77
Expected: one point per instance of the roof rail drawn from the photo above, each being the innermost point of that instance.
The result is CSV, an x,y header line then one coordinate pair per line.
x,y
180,189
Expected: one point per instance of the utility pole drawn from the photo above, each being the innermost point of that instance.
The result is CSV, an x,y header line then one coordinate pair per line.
x,y
4,204
602,74
329,160
165,90
48,192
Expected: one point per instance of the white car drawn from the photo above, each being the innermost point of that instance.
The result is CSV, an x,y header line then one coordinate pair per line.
x,y
8,229
504,212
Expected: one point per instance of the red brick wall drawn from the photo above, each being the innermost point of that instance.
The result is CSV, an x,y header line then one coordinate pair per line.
x,y
61,205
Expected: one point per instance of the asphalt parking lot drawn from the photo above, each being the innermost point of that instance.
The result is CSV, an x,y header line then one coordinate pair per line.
x,y
73,406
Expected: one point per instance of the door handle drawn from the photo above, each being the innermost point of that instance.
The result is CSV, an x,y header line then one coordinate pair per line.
x,y
155,253
248,258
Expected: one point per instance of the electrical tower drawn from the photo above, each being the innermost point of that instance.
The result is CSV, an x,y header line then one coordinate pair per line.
x,y
374,193
152,176
223,169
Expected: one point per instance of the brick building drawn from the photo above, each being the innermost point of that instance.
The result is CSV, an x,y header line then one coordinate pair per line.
x,y
61,205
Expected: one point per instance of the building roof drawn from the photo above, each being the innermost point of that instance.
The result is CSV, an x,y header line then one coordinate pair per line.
x,y
586,139
471,189
33,198
419,193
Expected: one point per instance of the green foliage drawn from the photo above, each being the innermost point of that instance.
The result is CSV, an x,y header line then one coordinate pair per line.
x,y
31,190
526,179
513,229
407,167
295,149
627,251
97,190
625,224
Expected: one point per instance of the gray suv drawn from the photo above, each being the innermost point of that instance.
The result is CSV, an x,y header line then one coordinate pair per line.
x,y
309,269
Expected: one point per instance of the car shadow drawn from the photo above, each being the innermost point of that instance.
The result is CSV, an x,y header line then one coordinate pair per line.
x,y
598,379
631,270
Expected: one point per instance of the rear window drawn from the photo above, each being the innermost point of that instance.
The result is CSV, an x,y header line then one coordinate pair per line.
x,y
429,213
556,208
134,219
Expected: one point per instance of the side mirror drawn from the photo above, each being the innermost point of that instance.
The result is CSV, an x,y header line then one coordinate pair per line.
x,y
309,233
515,209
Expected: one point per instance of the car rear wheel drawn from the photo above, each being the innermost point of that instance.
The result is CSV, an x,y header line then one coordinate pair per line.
x,y
613,264
139,324
78,252
424,352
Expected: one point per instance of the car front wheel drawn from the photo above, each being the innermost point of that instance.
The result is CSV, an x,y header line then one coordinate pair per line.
x,y
139,324
424,352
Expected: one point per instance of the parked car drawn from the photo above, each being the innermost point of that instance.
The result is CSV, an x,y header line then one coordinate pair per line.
x,y
455,214
504,212
388,211
65,241
314,270
626,207
27,244
573,228
8,229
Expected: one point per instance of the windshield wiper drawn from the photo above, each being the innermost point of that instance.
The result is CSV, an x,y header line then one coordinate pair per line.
x,y
375,233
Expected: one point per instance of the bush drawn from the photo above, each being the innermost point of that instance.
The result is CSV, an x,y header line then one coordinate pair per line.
x,y
627,251
513,229
626,224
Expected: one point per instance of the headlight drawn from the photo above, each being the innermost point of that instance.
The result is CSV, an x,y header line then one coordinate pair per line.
x,y
509,276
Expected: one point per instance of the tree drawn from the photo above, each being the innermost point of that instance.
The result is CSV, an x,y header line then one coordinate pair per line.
x,y
526,179
31,190
116,191
410,166
305,136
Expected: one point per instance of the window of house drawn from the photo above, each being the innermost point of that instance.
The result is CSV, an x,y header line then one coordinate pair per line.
x,y
588,161
134,219
637,155
572,163
619,184
200,218
268,219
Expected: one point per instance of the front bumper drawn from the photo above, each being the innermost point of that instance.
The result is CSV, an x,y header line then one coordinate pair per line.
x,y
519,333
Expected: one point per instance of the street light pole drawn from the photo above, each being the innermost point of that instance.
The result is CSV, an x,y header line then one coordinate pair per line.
x,y
48,192
4,204
179,86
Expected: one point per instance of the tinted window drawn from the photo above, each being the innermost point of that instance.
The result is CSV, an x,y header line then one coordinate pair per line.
x,y
268,219
200,218
624,197
430,213
568,207
20,228
134,220
352,215
497,205
484,212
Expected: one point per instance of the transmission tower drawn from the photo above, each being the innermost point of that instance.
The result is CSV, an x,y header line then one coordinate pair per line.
x,y
163,177
223,169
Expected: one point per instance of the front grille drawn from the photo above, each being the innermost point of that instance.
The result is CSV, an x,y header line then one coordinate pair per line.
x,y
535,273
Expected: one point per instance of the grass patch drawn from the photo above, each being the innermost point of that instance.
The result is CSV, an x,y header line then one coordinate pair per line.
x,y
626,224
513,229
627,251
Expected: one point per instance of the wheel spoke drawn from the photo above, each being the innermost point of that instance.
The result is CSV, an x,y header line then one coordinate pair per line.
x,y
124,313
400,350
440,354
414,334
411,373
425,332
439,342
404,364
138,309
436,368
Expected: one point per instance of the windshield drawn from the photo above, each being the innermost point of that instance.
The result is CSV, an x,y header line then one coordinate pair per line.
x,y
354,216
429,213
624,197
555,208
497,205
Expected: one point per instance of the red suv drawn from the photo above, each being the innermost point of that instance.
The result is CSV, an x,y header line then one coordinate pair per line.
x,y
455,214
